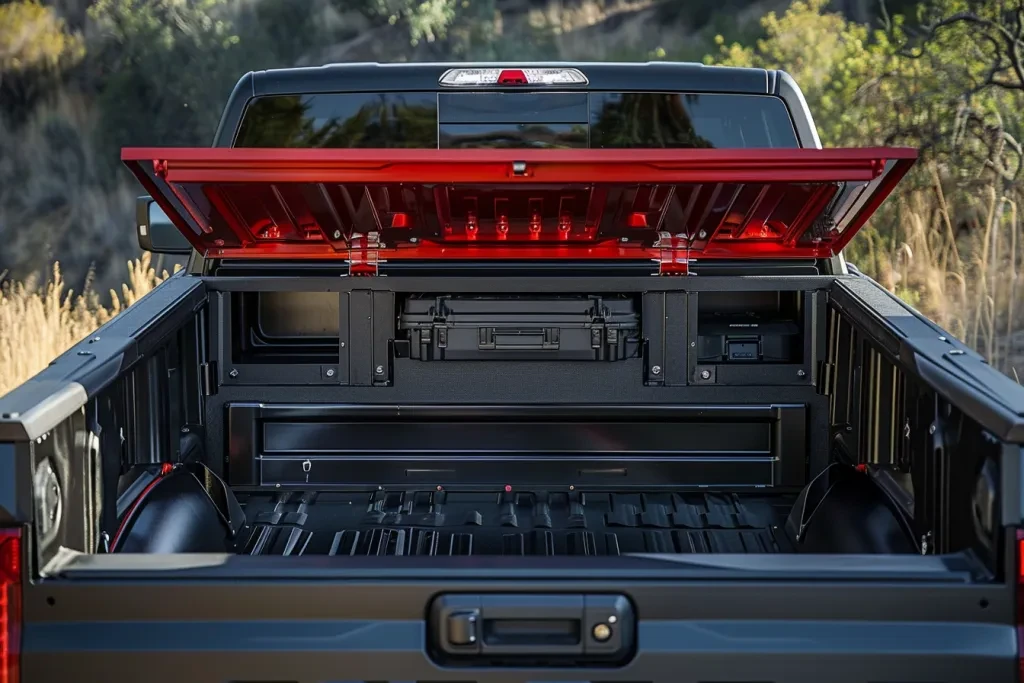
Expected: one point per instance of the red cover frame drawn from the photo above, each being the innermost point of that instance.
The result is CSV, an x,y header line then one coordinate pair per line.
x,y
693,203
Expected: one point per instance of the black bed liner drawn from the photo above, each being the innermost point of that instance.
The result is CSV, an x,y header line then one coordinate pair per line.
x,y
423,522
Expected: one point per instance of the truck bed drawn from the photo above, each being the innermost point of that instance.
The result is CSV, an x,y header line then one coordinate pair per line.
x,y
425,522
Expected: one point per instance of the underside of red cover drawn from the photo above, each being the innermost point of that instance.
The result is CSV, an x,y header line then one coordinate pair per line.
x,y
672,206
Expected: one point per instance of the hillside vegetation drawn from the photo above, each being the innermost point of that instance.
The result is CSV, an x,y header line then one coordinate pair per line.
x,y
80,79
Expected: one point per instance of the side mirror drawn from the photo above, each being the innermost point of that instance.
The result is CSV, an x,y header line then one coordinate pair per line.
x,y
156,232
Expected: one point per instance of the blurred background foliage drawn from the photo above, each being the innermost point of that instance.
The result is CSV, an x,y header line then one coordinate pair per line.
x,y
81,78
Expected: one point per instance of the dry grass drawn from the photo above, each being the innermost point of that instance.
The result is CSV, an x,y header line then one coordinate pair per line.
x,y
968,283
41,320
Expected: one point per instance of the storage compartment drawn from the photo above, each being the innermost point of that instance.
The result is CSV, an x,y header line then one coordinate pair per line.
x,y
342,447
285,327
750,327
582,328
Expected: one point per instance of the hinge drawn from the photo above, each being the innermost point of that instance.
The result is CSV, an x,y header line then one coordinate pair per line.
x,y
362,254
673,259
208,378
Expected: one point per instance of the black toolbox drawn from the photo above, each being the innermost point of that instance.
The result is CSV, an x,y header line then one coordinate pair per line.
x,y
511,328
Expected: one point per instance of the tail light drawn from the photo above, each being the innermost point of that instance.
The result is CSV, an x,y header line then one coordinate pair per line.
x,y
10,604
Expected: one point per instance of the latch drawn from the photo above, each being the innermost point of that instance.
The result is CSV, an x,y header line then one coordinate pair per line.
x,y
532,630
363,254
674,254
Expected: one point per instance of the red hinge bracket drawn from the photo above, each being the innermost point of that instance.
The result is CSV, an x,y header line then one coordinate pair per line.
x,y
674,254
363,254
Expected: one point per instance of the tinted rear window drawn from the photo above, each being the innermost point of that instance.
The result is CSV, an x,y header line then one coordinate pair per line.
x,y
644,120
341,120
614,120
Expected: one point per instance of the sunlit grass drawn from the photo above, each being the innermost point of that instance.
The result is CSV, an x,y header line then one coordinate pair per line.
x,y
39,320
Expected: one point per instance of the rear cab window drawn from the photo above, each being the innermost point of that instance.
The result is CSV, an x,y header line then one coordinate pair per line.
x,y
600,120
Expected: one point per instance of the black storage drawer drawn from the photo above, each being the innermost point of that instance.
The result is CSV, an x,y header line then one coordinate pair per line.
x,y
557,328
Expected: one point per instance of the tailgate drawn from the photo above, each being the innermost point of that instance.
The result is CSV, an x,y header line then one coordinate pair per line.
x,y
662,206
641,619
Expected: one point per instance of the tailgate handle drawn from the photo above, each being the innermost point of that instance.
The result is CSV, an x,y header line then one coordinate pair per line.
x,y
532,628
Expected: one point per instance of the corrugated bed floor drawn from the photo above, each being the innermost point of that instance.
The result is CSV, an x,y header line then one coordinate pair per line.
x,y
514,523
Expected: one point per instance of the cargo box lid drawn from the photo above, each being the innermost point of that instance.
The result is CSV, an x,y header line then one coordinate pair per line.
x,y
369,206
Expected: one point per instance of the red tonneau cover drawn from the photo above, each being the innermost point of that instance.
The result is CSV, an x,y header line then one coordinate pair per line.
x,y
670,206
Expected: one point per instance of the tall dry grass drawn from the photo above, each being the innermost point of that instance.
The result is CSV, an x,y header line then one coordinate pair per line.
x,y
967,280
41,320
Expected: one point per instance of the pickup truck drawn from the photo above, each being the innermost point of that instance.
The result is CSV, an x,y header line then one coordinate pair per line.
x,y
513,374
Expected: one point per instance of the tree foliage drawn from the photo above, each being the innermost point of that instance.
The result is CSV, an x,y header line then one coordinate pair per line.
x,y
166,67
35,46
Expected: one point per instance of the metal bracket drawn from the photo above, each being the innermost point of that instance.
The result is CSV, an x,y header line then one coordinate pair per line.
x,y
363,255
674,256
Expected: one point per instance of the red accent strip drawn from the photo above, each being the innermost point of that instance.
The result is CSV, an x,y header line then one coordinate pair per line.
x,y
212,165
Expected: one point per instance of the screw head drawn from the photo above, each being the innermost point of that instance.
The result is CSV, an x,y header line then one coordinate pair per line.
x,y
931,428
705,374
801,373
342,344
656,370
337,234
692,344
379,370
330,372
233,373
702,234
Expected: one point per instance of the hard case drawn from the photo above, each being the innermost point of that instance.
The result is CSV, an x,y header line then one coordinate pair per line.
x,y
580,328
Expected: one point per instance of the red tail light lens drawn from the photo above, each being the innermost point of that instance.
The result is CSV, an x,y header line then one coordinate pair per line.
x,y
10,604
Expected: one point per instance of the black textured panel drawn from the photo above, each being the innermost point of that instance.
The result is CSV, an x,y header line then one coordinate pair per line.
x,y
512,523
